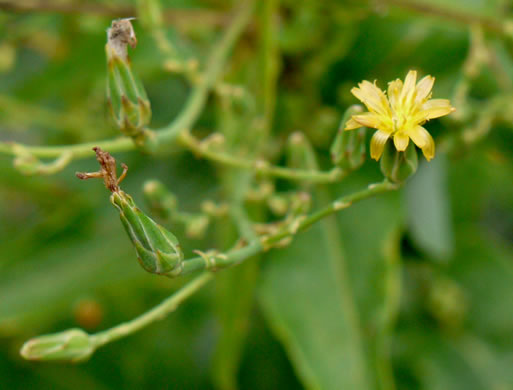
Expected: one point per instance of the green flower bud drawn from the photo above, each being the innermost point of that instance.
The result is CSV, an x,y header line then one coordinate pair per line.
x,y
348,148
158,250
196,226
161,201
126,95
398,166
71,345
300,153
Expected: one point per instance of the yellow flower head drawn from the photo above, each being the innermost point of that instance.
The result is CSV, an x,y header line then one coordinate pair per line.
x,y
401,116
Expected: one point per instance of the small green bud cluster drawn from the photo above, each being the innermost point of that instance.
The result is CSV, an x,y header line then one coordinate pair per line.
x,y
126,95
164,204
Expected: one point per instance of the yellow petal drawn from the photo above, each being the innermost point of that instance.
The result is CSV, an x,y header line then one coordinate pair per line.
x,y
377,144
368,119
419,136
351,124
373,97
409,86
436,108
394,91
424,87
401,141
423,140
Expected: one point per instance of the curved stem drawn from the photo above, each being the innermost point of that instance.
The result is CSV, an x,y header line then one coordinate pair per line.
x,y
158,312
185,119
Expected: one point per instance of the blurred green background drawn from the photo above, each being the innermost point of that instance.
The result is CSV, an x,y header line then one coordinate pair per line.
x,y
410,290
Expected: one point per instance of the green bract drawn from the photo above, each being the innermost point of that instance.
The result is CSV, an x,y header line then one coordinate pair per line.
x,y
398,166
158,250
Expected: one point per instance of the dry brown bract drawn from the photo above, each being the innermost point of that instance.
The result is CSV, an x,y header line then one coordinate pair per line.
x,y
107,172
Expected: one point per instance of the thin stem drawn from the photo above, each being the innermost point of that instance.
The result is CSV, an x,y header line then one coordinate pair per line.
x,y
216,261
466,18
191,111
181,17
157,313
260,167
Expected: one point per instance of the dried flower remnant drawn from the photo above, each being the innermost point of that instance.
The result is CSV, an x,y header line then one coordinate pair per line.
x,y
107,172
120,35
401,115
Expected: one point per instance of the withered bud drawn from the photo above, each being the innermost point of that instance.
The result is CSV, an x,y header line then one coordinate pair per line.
x,y
120,34
108,171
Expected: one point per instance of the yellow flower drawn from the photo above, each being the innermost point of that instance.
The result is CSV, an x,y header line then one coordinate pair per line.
x,y
401,116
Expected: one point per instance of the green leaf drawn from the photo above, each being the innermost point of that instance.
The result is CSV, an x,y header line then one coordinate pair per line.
x,y
429,211
234,298
306,305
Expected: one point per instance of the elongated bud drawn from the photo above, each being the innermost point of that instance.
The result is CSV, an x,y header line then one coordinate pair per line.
x,y
161,201
126,95
158,250
398,166
71,345
348,148
300,153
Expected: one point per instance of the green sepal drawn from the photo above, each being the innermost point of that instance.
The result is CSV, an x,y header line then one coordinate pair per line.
x,y
158,250
348,147
398,166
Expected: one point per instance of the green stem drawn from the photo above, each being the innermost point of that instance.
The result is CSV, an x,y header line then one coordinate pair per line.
x,y
235,256
260,167
192,109
158,312
497,26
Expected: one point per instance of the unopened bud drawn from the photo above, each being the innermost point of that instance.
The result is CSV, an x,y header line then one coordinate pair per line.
x,y
158,250
398,166
126,95
161,201
196,226
348,148
300,153
71,345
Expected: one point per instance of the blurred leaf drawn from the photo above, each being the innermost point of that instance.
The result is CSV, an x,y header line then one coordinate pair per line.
x,y
234,299
306,305
429,211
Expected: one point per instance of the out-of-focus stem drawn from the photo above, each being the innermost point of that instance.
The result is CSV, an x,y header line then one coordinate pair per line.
x,y
260,167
